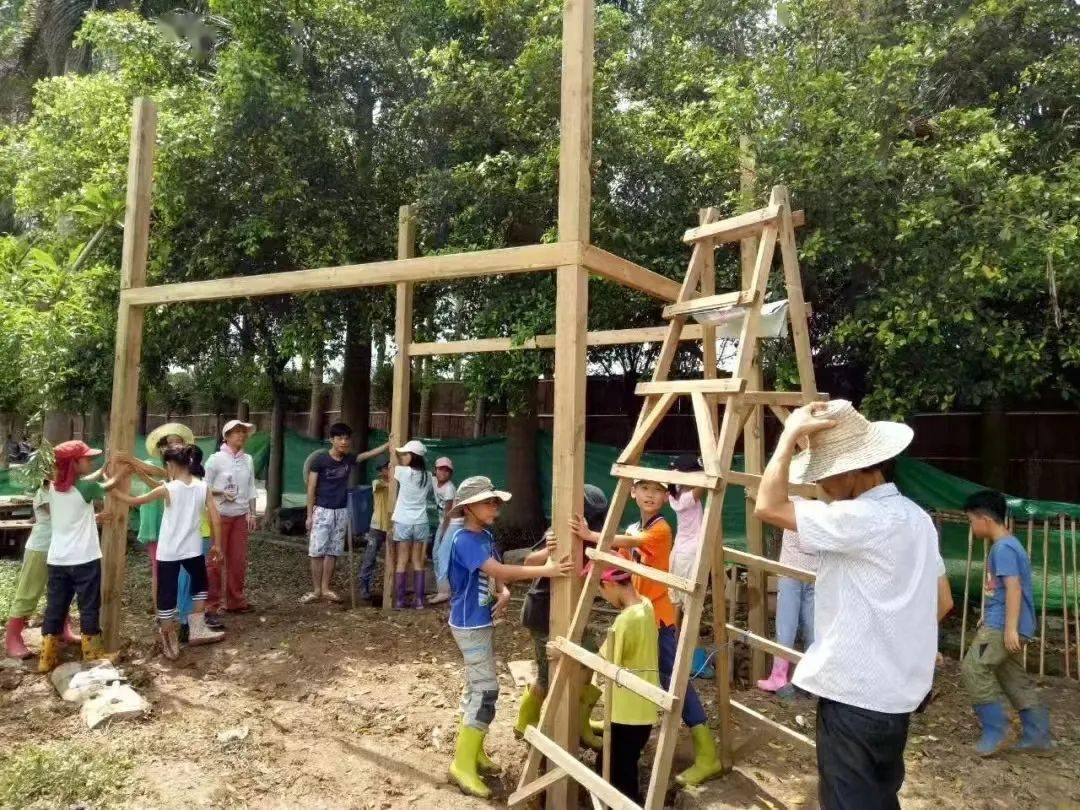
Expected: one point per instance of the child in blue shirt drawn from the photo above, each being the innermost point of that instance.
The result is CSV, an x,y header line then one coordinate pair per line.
x,y
478,593
993,668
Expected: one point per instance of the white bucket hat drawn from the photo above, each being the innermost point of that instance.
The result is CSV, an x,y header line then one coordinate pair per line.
x,y
233,424
853,444
475,489
413,446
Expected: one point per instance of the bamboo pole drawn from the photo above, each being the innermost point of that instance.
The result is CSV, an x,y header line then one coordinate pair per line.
x,y
985,582
1064,595
1030,538
1045,582
967,588
1076,598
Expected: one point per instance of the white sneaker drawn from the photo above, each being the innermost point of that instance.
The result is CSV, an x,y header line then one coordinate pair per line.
x,y
199,633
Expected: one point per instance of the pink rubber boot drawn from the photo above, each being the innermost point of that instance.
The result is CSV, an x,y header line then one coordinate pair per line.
x,y
68,635
13,640
778,679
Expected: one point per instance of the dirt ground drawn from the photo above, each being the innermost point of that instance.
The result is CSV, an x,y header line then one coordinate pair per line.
x,y
345,709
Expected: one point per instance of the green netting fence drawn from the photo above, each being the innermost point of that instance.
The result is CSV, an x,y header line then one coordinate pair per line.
x,y
930,487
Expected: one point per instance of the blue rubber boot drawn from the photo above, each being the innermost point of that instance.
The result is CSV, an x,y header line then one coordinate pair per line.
x,y
1035,724
995,725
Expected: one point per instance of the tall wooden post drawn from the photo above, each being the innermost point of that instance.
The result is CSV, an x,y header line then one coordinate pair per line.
x,y
754,432
399,403
571,322
129,330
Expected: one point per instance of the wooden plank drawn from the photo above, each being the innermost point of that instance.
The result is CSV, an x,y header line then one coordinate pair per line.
x,y
662,476
1045,582
124,410
739,298
538,785
734,228
725,385
634,448
797,311
705,420
628,274
1064,595
399,398
580,772
604,337
646,571
766,645
751,483
503,261
787,399
618,675
709,358
967,588
772,725
757,562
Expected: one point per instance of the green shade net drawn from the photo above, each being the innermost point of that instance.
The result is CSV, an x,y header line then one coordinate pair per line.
x,y
931,488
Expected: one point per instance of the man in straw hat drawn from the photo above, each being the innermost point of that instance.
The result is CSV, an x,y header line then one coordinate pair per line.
x,y
875,625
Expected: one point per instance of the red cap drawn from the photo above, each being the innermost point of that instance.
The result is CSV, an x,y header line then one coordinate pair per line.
x,y
74,449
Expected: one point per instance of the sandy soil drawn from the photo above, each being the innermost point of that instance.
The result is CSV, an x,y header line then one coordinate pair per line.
x,y
356,709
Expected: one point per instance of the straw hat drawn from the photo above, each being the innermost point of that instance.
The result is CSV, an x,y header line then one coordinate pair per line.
x,y
475,489
168,429
853,444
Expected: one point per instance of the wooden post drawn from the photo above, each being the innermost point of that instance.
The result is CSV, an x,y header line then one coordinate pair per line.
x,y
967,587
1064,594
399,404
1030,538
129,330
1045,582
571,324
1075,595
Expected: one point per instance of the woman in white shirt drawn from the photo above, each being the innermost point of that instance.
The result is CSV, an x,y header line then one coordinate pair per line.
x,y
180,545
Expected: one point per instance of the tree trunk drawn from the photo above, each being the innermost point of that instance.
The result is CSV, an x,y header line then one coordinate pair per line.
x,y
144,416
523,516
275,480
356,389
243,410
316,413
424,426
479,417
6,421
994,448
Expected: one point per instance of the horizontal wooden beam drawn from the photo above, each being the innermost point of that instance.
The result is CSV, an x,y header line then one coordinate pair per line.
x,y
536,786
765,564
709,302
724,385
503,261
788,399
606,337
616,674
624,272
655,574
769,646
762,720
582,774
737,228
688,479
751,482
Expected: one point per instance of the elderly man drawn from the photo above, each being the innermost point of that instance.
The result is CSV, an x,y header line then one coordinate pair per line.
x,y
875,624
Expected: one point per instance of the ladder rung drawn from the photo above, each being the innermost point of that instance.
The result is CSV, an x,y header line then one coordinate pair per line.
x,y
772,724
656,575
751,482
724,385
709,302
765,564
783,399
771,647
734,229
619,676
687,479
582,774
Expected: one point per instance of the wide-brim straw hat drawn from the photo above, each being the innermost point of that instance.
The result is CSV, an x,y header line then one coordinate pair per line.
x,y
854,443
168,429
475,489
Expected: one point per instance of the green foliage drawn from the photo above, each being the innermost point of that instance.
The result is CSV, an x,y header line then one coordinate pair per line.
x,y
62,774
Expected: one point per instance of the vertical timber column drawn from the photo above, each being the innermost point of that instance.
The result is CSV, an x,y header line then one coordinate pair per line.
x,y
571,321
399,403
129,331
754,433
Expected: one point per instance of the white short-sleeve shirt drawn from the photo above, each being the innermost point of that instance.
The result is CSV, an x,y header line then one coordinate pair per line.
x,y
414,489
180,535
875,600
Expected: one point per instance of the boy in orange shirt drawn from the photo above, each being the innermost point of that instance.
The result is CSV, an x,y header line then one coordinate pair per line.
x,y
649,542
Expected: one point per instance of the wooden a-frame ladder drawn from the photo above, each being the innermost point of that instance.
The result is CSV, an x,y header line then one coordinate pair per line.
x,y
773,225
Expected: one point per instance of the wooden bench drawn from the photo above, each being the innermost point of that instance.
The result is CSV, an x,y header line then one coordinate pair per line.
x,y
14,533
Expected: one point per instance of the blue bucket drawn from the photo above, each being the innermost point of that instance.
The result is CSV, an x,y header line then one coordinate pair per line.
x,y
361,508
701,666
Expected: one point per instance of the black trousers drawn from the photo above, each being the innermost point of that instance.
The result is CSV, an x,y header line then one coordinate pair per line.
x,y
169,584
82,582
627,743
860,755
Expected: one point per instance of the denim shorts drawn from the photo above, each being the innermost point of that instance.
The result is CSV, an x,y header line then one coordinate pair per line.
x,y
412,532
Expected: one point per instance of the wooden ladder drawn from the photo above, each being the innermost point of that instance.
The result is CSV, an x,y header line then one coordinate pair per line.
x,y
774,224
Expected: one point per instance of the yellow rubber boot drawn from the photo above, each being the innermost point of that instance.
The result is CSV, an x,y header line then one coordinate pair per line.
x,y
707,764
589,737
463,767
50,653
528,713
93,649
485,764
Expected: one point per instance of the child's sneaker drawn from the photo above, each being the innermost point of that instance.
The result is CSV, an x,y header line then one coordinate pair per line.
x,y
213,621
199,633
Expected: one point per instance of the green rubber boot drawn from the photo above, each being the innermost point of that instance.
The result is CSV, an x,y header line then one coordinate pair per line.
x,y
463,768
528,713
707,764
589,695
484,764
